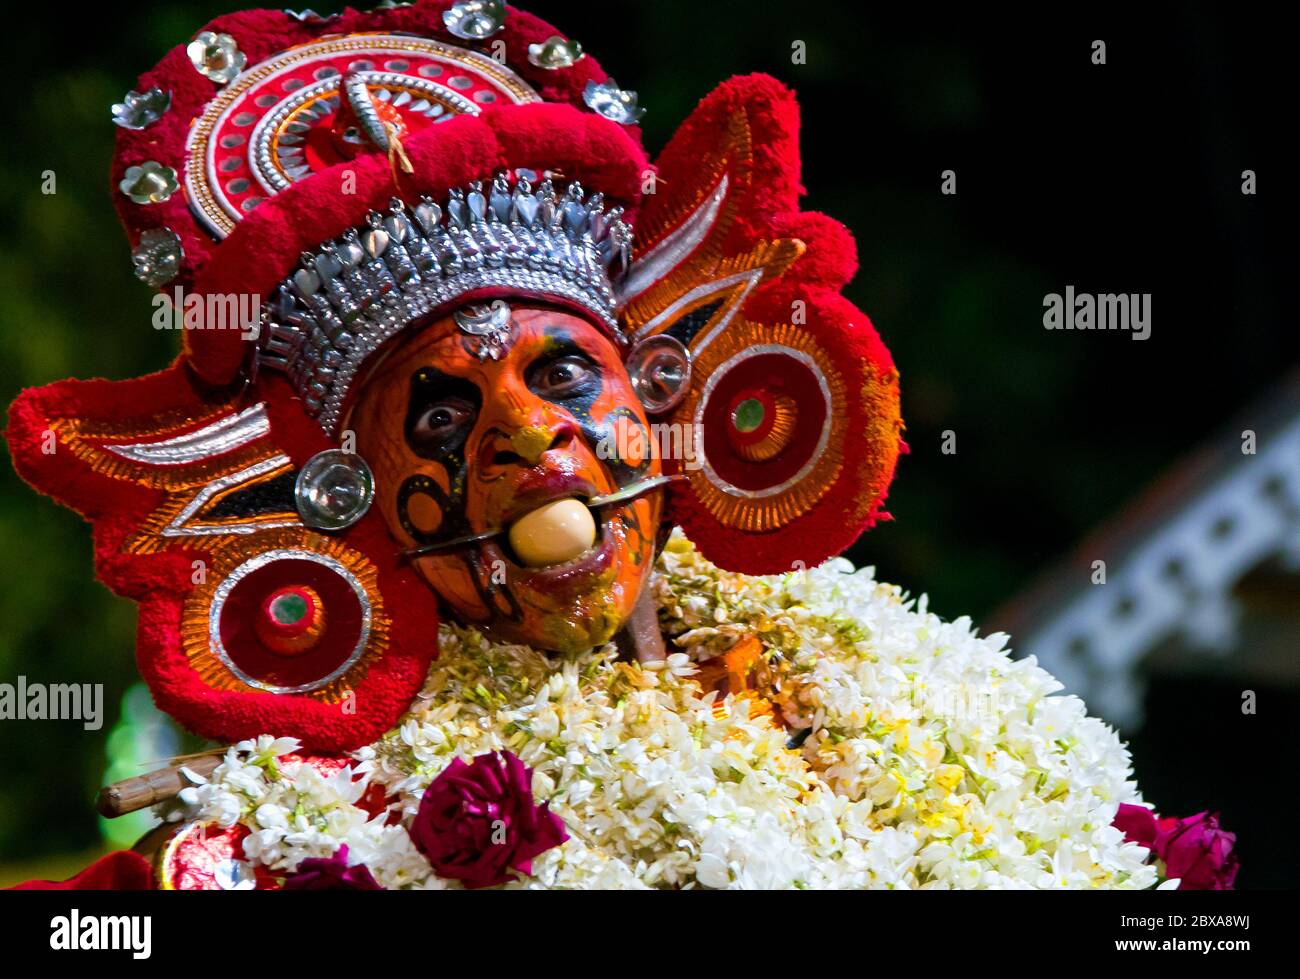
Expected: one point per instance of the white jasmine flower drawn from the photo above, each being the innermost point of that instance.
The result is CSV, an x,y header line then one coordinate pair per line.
x,y
925,757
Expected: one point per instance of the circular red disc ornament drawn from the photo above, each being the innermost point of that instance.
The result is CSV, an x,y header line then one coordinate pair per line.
x,y
292,620
287,119
739,409
283,656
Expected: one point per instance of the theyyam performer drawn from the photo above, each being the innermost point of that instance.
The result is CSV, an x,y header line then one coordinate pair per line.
x,y
496,547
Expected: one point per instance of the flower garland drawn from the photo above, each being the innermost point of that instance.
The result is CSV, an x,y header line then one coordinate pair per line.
x,y
860,742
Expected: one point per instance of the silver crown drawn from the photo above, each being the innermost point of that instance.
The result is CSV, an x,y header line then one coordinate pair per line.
x,y
365,287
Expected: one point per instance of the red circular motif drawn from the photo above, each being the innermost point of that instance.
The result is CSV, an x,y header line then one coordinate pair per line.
x,y
290,638
290,120
244,610
772,374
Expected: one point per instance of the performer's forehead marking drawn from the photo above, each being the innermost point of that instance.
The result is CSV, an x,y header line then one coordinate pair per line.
x,y
428,383
565,339
559,339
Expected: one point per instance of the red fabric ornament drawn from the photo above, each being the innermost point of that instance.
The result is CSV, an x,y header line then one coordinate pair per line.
x,y
746,132
261,34
122,870
124,501
769,275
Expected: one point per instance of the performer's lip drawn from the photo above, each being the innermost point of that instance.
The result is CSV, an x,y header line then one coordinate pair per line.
x,y
533,494
572,574
602,506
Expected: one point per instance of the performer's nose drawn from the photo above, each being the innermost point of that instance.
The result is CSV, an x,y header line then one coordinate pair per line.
x,y
526,444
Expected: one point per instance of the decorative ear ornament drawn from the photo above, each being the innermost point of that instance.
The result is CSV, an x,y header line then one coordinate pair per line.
x,y
660,370
251,620
791,399
333,490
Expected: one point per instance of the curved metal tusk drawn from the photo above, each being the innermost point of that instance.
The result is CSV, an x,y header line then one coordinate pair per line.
x,y
618,496
633,491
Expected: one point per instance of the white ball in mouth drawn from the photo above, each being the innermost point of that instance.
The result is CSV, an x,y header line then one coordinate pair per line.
x,y
554,533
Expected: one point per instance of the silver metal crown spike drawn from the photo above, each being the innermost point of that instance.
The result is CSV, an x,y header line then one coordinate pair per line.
x,y
362,288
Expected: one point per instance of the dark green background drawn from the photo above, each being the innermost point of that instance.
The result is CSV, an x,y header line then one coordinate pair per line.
x,y
1115,178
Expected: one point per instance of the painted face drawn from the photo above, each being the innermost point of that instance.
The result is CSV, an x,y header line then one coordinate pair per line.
x,y
462,445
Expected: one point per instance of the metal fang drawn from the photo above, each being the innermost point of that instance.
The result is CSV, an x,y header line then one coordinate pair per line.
x,y
618,496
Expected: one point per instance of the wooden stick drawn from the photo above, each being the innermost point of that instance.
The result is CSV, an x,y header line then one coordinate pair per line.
x,y
640,636
133,794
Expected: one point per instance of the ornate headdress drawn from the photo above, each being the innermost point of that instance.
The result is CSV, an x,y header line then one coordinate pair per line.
x,y
359,172
355,293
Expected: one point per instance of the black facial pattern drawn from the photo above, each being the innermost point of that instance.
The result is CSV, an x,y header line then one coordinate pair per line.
x,y
441,414
579,401
439,417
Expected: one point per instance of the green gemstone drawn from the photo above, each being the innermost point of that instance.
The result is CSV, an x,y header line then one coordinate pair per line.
x,y
289,609
748,415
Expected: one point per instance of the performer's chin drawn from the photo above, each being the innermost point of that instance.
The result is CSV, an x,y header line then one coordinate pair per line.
x,y
577,604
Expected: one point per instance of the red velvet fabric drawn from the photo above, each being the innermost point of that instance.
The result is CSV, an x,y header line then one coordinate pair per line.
x,y
266,246
122,870
160,582
767,208
263,33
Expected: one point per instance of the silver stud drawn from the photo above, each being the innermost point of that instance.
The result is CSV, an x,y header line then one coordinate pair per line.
x,y
473,20
499,201
157,256
476,202
608,100
216,56
140,109
525,205
334,490
349,252
398,228
555,53
374,241
660,370
149,183
428,214
457,212
306,281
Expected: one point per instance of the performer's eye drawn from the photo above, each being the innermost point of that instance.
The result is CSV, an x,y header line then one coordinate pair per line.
x,y
563,377
441,413
442,421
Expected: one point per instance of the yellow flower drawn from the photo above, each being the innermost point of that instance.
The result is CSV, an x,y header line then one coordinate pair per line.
x,y
949,776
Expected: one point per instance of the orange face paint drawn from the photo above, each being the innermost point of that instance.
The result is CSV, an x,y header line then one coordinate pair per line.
x,y
462,445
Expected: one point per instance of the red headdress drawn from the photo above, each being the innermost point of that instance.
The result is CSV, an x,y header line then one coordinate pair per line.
x,y
354,173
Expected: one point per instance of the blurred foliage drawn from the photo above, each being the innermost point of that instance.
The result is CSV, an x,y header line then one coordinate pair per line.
x,y
1115,178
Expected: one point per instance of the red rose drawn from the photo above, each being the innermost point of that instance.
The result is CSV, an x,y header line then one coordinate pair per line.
x,y
331,873
1137,823
1198,852
478,822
